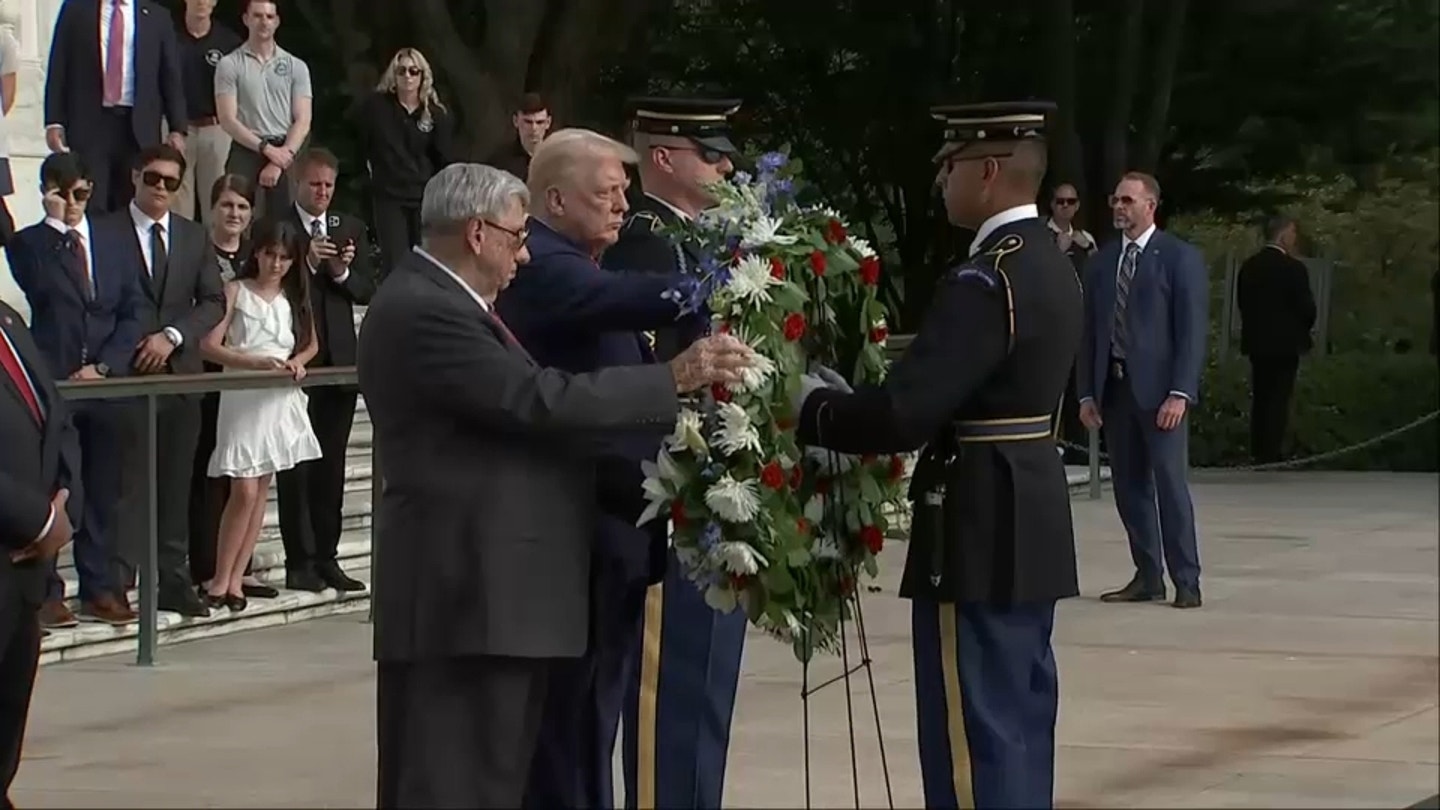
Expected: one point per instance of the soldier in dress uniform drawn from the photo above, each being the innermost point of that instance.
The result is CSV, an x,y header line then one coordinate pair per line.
x,y
682,694
991,547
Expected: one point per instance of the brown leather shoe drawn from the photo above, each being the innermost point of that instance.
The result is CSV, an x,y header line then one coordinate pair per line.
x,y
55,615
107,609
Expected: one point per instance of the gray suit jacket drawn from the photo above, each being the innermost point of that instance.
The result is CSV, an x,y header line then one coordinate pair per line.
x,y
485,525
189,296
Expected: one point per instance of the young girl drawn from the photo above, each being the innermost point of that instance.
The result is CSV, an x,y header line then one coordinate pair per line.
x,y
268,326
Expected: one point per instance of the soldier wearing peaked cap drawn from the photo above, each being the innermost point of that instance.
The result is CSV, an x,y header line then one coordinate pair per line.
x,y
682,690
992,547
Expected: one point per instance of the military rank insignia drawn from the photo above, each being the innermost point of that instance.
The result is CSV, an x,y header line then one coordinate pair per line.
x,y
650,338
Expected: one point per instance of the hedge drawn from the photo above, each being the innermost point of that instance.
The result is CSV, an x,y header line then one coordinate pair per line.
x,y
1340,400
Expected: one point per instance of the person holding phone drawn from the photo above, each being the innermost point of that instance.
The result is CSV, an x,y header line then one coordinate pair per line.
x,y
312,495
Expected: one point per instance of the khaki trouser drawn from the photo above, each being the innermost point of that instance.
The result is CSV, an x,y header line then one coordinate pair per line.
x,y
206,149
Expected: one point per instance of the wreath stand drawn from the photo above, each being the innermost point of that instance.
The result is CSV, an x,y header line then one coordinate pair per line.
x,y
848,672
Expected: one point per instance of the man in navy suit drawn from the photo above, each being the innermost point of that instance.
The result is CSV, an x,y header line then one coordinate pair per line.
x,y
40,495
84,316
1146,322
114,73
572,315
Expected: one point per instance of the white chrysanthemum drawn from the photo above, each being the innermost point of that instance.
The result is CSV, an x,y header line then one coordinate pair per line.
x,y
763,230
739,559
720,598
733,501
861,247
662,478
750,281
689,434
753,376
825,549
737,432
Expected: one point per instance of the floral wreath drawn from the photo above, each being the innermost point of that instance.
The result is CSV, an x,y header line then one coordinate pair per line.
x,y
757,522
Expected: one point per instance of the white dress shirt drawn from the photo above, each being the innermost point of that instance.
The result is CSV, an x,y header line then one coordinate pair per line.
x,y
1001,219
484,305
127,72
143,225
311,221
684,216
81,230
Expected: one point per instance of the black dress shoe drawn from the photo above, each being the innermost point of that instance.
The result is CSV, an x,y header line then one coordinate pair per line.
x,y
183,601
336,578
1136,591
1187,598
256,590
304,580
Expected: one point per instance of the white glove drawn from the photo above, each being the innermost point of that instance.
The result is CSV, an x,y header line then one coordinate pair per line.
x,y
832,378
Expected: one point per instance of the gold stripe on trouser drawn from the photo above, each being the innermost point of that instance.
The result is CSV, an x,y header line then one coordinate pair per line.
x,y
649,697
954,708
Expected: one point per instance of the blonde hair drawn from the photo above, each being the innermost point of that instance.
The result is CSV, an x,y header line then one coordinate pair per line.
x,y
428,97
558,156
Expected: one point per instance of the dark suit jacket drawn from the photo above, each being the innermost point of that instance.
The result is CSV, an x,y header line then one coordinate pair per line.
x,y
572,315
1277,308
189,297
487,516
334,302
1167,319
71,330
37,461
75,78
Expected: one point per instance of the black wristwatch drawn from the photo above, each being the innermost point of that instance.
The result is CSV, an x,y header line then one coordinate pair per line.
x,y
102,369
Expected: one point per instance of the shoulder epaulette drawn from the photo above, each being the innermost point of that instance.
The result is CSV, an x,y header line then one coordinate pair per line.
x,y
984,270
648,220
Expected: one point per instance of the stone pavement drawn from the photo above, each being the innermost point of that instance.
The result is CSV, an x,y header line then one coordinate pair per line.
x,y
1308,679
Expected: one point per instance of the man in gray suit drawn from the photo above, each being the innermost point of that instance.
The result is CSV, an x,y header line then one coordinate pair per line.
x,y
490,502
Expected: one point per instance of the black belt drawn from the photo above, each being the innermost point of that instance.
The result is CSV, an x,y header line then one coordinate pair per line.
x,y
1012,429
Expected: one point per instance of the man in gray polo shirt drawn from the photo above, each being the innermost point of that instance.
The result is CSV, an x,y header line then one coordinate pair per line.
x,y
263,100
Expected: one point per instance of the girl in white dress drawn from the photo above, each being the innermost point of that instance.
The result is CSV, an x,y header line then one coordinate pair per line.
x,y
268,326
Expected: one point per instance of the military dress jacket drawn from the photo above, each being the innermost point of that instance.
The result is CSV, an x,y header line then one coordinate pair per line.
x,y
644,247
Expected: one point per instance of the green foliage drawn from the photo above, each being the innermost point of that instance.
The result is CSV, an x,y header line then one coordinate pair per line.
x,y
1340,400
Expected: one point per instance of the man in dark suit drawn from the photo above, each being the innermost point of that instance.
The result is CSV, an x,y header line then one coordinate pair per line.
x,y
114,73
183,300
688,654
571,315
84,315
486,524
1277,312
40,500
312,495
1147,300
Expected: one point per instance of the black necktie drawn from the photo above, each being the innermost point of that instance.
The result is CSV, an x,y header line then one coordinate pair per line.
x,y
159,259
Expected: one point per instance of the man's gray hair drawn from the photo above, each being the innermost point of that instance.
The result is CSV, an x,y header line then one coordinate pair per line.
x,y
461,192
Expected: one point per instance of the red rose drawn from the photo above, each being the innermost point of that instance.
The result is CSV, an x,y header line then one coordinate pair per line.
x,y
797,477
724,329
772,476
739,581
803,526
822,486
873,539
794,326
897,468
834,232
870,270
677,512
720,392
878,334
817,263
846,585
777,268
784,423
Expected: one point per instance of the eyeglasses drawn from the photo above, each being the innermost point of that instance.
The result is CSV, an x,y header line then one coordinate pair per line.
x,y
520,236
155,179
1124,199
409,70
78,194
708,156
1066,200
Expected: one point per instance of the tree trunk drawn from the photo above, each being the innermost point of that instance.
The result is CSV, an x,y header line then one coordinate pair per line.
x,y
1066,165
1116,149
574,44
1167,57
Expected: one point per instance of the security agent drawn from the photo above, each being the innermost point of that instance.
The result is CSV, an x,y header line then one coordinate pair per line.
x,y
992,547
682,691
684,145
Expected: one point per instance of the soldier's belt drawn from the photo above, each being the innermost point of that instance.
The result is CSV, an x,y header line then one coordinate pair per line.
x,y
1011,429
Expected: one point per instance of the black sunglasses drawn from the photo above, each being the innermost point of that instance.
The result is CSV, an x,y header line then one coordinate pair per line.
x,y
410,70
155,179
1066,200
707,155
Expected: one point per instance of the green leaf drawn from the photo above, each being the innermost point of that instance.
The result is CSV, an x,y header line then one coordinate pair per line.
x,y
778,580
798,558
872,567
869,489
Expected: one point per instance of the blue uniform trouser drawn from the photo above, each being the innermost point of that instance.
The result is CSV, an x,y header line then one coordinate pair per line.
x,y
574,756
677,715
986,695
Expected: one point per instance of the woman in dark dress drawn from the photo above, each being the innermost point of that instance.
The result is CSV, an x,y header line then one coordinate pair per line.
x,y
232,201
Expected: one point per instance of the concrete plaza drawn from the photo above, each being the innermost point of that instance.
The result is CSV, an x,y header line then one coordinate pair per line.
x,y
1308,679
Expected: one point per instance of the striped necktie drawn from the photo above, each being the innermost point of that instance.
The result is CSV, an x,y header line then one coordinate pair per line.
x,y
1119,335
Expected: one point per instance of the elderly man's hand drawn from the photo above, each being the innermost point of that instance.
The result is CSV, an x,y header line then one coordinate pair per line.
x,y
709,360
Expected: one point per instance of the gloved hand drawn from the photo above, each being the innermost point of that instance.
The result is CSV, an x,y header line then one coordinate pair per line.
x,y
831,377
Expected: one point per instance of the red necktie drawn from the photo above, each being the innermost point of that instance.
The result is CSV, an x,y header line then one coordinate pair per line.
x,y
11,361
115,56
503,328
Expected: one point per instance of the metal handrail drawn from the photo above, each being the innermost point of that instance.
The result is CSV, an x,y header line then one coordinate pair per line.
x,y
151,388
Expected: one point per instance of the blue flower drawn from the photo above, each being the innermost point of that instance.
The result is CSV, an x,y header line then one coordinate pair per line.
x,y
732,243
783,186
712,472
770,162
741,178
710,535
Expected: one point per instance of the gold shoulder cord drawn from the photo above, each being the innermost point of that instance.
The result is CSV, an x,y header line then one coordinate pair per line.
x,y
1008,245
